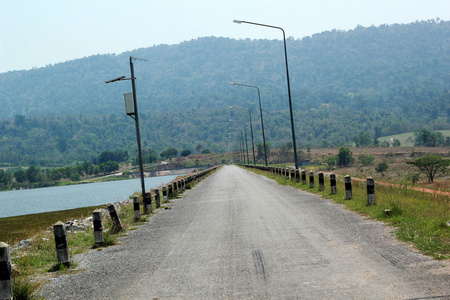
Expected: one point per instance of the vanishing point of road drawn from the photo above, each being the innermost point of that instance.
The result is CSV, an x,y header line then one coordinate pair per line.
x,y
238,235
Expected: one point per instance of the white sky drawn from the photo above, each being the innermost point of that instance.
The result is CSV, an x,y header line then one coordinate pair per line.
x,y
35,33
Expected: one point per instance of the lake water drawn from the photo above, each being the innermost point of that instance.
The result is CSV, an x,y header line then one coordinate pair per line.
x,y
24,202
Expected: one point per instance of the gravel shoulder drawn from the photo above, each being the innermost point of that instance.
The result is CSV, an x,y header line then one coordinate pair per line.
x,y
238,235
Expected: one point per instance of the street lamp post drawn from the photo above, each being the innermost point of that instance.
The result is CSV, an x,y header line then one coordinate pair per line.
x,y
244,147
132,111
241,143
288,84
260,112
251,130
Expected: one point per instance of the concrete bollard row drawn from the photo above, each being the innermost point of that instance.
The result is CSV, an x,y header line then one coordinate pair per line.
x,y
295,175
6,289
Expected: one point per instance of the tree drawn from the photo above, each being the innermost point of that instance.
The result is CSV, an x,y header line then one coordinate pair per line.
x,y
424,137
107,167
431,165
363,139
382,167
396,143
169,153
376,143
206,151
33,174
148,157
344,157
186,152
260,150
331,162
199,148
20,176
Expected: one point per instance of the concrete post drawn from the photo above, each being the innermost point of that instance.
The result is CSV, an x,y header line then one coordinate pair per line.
x,y
282,172
370,191
137,213
321,182
62,247
287,174
147,203
117,225
311,179
333,184
98,226
297,175
292,175
183,184
6,291
170,188
348,187
157,198
175,187
303,177
164,190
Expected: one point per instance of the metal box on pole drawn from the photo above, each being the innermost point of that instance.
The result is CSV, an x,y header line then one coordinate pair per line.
x,y
129,104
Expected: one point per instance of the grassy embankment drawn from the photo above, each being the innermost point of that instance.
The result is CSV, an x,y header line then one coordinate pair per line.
x,y
419,218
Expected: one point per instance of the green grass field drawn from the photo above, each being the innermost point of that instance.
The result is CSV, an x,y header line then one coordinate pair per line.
x,y
407,139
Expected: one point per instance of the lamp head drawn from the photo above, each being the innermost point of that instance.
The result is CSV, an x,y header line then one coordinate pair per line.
x,y
232,83
115,79
237,21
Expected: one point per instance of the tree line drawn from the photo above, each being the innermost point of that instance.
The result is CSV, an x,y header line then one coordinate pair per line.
x,y
33,176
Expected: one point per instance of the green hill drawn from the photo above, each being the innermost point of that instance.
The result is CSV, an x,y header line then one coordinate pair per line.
x,y
379,80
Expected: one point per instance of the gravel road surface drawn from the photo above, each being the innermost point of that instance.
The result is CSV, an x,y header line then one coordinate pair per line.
x,y
238,235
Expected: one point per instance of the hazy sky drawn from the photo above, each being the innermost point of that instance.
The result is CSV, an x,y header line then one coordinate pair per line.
x,y
35,33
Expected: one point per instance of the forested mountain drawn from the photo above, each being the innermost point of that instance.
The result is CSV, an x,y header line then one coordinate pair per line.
x,y
380,80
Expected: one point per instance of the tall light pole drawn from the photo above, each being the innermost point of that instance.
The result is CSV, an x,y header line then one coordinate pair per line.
x,y
244,147
251,129
288,84
260,112
132,111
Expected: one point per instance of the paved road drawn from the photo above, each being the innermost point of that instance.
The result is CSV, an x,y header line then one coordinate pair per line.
x,y
238,235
